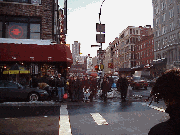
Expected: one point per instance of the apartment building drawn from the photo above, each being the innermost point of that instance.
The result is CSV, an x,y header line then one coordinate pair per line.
x,y
123,46
144,50
166,22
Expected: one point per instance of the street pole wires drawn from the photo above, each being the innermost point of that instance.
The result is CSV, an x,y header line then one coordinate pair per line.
x,y
100,11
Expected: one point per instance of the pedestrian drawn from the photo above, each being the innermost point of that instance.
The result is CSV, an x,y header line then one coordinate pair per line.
x,y
70,90
80,97
78,93
75,89
167,87
60,85
104,88
122,86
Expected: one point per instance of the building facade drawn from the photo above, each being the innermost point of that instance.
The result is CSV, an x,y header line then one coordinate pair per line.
x,y
29,19
31,28
144,50
123,46
75,51
166,21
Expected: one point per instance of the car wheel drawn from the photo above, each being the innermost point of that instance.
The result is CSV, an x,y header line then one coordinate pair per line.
x,y
33,97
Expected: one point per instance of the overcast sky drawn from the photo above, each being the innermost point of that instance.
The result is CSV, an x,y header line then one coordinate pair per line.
x,y
117,15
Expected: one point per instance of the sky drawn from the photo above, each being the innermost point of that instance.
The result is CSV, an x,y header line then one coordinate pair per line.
x,y
117,15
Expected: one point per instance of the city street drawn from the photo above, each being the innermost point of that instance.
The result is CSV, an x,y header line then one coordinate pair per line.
x,y
78,118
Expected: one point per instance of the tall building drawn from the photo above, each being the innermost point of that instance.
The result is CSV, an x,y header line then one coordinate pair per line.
x,y
75,51
166,21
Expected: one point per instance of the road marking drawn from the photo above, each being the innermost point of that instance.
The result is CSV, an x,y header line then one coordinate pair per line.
x,y
99,119
64,124
154,107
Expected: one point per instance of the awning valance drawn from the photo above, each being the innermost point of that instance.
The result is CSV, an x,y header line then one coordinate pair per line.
x,y
35,53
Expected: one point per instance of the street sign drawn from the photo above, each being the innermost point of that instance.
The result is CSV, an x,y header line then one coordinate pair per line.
x,y
100,27
100,38
95,45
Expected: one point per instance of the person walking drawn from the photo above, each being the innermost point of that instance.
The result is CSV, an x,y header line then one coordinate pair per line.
x,y
167,87
104,88
75,89
71,85
122,86
60,85
93,88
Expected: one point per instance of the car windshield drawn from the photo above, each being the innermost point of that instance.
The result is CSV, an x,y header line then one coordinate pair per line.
x,y
136,78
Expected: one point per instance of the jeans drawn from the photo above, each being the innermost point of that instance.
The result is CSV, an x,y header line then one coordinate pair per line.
x,y
60,93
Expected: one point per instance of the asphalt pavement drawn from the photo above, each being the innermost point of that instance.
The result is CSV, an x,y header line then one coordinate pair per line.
x,y
113,117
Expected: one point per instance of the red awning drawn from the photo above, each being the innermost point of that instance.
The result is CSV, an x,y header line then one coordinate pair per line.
x,y
34,52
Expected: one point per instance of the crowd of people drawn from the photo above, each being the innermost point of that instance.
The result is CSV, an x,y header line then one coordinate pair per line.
x,y
80,88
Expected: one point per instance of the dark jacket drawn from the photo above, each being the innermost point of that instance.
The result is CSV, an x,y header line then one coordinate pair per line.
x,y
61,82
171,126
105,86
86,83
122,84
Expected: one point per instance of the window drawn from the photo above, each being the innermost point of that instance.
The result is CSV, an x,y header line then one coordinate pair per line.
x,y
16,30
164,17
171,13
11,84
178,9
25,1
20,27
136,31
163,5
157,21
20,1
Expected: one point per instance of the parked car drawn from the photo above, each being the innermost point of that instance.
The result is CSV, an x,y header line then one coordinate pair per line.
x,y
13,91
138,82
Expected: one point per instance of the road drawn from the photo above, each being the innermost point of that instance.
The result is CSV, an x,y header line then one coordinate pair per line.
x,y
94,118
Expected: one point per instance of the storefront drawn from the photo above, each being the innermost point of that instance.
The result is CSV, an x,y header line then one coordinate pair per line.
x,y
40,60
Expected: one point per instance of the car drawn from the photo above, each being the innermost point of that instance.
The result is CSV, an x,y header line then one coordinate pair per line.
x,y
10,90
138,82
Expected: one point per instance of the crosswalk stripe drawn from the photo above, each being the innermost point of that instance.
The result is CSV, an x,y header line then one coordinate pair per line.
x,y
99,119
154,107
64,124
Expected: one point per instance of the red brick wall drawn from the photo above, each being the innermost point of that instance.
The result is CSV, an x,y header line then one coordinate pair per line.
x,y
150,46
44,11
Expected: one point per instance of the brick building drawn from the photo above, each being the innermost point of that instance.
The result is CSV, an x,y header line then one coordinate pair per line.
x,y
35,19
123,47
144,50
32,32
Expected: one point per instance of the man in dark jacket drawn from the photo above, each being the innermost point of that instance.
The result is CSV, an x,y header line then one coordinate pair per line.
x,y
104,88
167,87
122,86
93,88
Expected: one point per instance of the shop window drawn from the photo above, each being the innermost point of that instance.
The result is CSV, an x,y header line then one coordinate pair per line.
x,y
0,29
16,30
20,1
34,31
25,1
20,27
